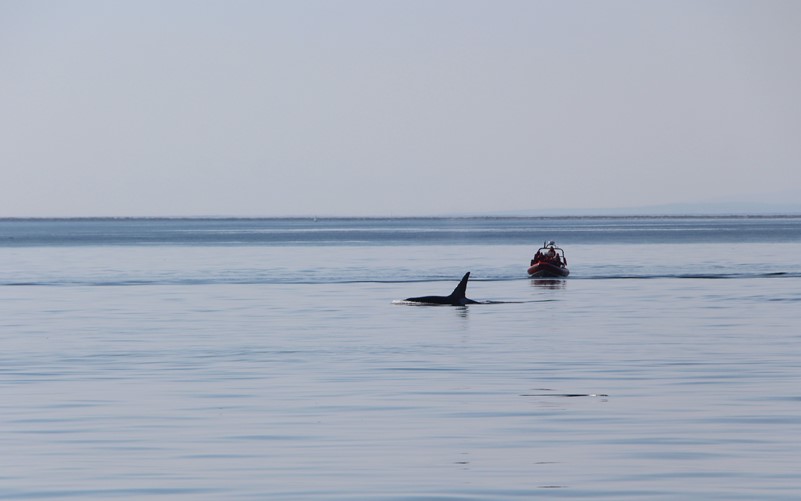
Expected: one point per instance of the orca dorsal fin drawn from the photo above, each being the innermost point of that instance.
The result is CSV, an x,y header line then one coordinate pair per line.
x,y
458,296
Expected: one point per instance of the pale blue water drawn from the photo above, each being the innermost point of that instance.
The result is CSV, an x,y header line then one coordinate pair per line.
x,y
265,359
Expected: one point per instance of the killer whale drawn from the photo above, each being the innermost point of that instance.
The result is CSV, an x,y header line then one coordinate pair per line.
x,y
457,297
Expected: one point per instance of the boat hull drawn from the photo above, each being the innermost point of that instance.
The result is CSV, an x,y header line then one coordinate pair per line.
x,y
540,270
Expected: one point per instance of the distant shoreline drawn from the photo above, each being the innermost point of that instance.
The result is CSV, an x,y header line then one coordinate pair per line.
x,y
378,218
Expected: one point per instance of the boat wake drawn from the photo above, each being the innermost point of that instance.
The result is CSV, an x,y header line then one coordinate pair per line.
x,y
694,276
294,279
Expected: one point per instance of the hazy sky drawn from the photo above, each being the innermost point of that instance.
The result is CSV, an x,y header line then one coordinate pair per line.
x,y
270,108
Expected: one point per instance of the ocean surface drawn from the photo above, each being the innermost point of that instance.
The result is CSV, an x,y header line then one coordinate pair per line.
x,y
251,359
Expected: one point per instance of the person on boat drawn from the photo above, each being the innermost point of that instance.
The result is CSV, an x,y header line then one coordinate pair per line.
x,y
552,257
537,258
555,258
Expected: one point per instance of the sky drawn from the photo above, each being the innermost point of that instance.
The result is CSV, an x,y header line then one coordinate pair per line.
x,y
394,108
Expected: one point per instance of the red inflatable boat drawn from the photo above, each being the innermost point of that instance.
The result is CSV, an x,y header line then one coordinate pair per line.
x,y
549,261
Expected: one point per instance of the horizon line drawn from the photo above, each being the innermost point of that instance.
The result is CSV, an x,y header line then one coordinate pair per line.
x,y
510,215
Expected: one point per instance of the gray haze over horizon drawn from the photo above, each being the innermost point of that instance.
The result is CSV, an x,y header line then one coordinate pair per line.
x,y
396,108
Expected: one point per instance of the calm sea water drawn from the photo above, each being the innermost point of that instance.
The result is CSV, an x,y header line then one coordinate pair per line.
x,y
266,359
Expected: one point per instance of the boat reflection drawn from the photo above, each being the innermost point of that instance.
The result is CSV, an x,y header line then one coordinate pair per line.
x,y
548,283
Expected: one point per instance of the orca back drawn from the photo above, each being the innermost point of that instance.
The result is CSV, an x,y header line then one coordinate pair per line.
x,y
456,298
